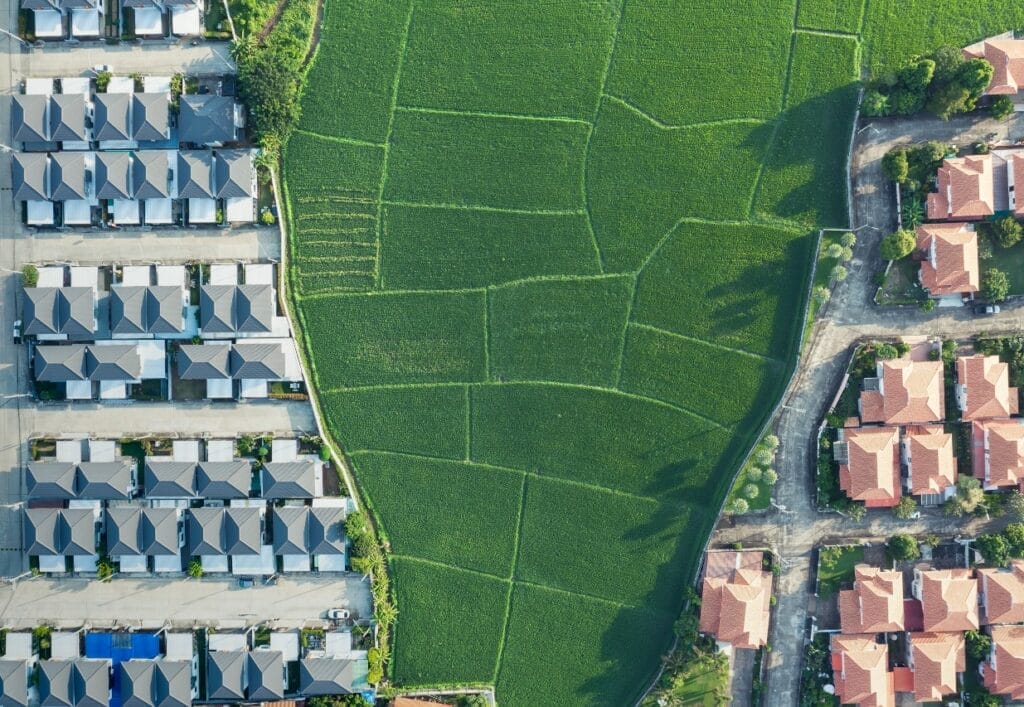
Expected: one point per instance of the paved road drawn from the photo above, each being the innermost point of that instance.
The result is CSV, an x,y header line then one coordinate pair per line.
x,y
154,58
149,603
849,316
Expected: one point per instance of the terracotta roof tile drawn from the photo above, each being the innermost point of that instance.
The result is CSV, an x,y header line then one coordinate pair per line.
x,y
952,263
722,563
999,462
910,392
983,387
1002,594
875,604
949,600
860,671
937,658
735,608
1016,172
965,189
930,459
1006,55
1003,673
872,472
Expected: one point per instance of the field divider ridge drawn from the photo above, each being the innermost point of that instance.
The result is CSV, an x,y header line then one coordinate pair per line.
x,y
634,287
446,565
483,207
342,140
455,112
516,544
705,342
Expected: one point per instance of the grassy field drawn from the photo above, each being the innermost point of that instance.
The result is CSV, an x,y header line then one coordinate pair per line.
x,y
550,265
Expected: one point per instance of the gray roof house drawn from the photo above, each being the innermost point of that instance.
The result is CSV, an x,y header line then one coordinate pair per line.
x,y
59,531
170,479
206,531
141,531
226,309
206,119
112,116
327,530
60,310
28,176
151,175
67,117
264,675
112,173
288,479
243,532
156,683
150,117
54,480
60,364
116,362
290,526
67,176
198,362
13,683
224,671
104,481
332,676
28,117
195,174
124,530
233,173
223,480
152,309
78,683
257,361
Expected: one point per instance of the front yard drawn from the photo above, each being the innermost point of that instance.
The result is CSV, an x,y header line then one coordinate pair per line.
x,y
900,285
835,567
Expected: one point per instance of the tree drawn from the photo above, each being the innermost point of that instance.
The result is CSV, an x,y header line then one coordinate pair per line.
x,y
834,251
856,511
324,453
875,104
975,75
848,239
1014,535
1015,504
969,493
1001,107
898,245
995,285
839,273
903,548
906,507
821,295
895,165
770,442
269,82
754,473
847,255
764,457
740,506
770,477
30,275
751,491
355,525
978,644
1006,231
994,548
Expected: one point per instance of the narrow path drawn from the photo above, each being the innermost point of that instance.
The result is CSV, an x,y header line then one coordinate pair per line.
x,y
269,25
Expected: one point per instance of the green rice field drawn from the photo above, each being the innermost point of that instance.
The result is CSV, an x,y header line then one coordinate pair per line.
x,y
550,263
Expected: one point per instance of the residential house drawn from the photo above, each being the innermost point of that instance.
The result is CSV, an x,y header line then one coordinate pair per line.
x,y
147,311
304,533
1003,672
735,598
950,267
291,480
156,683
949,599
227,311
1006,55
998,453
135,534
55,534
983,388
869,465
935,660
225,675
223,480
265,676
860,669
75,683
63,481
875,604
927,452
1001,592
966,189
904,392
60,313
208,120
13,683
332,676
169,479
217,535
44,122
112,366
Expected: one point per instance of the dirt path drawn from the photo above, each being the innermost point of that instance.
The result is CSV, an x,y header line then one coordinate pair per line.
x,y
272,22
314,41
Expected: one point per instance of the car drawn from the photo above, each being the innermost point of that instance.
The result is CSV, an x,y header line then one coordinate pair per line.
x,y
17,331
983,310
245,582
338,614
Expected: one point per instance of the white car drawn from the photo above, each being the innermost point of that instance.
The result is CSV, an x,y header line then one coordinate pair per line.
x,y
338,614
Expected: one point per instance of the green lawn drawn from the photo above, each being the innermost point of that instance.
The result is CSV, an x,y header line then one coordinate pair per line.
x,y
831,579
1011,262
822,278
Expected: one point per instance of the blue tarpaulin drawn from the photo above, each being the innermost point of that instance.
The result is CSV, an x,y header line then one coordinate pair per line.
x,y
119,647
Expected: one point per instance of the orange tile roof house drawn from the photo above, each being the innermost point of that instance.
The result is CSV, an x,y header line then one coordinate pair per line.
x,y
998,452
875,604
869,465
1015,176
966,190
736,601
951,266
935,659
1002,594
930,462
983,388
904,392
860,671
949,599
1006,55
1003,672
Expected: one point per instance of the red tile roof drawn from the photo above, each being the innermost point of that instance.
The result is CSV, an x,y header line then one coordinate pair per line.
x,y
949,599
984,383
937,658
722,563
965,190
1003,673
999,452
951,267
1006,55
910,391
860,671
872,472
1002,594
875,604
735,607
1015,176
930,459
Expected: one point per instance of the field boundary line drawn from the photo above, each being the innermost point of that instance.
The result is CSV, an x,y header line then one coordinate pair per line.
x,y
519,282
826,32
342,140
511,577
449,566
705,342
324,294
625,330
584,595
487,336
469,425
483,207
489,114
402,50
660,125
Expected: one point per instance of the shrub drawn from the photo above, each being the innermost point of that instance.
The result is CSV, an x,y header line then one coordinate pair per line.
x,y
903,548
928,305
839,273
751,491
1006,231
103,80
821,295
30,275
886,352
978,644
1015,504
875,104
994,548
848,239
895,165
905,508
834,251
770,442
995,285
104,570
856,511
898,245
1001,107
195,568
376,666
355,525
740,506
267,218
324,453
847,255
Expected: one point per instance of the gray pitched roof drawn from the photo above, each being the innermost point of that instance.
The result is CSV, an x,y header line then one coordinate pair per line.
x,y
13,683
111,111
149,116
151,309
39,5
60,364
327,531
257,361
224,480
290,528
198,362
206,119
79,531
216,308
112,172
288,479
137,677
233,173
265,675
195,174
123,526
104,481
80,5
141,531
28,116
41,535
332,676
169,479
206,531
242,532
150,174
224,675
116,362
67,117
28,176
54,480
67,176
159,531
60,310
228,309
56,531
55,683
155,683
174,684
